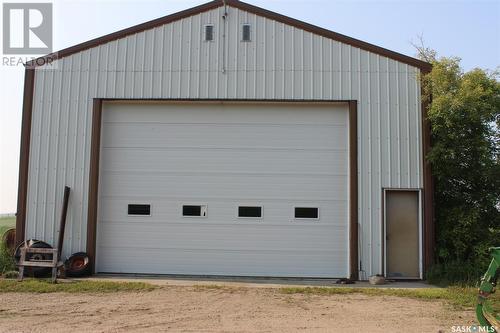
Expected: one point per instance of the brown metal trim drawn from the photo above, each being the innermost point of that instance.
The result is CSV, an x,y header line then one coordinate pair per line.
x,y
24,155
424,66
428,187
382,231
353,167
353,190
223,100
95,148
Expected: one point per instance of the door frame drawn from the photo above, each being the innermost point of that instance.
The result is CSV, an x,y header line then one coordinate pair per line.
x,y
95,151
420,231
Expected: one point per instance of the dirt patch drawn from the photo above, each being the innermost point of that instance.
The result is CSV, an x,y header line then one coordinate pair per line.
x,y
195,309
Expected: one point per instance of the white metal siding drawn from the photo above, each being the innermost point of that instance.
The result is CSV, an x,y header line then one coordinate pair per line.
x,y
172,61
278,156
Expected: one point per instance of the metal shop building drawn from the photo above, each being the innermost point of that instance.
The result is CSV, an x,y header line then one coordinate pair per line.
x,y
230,140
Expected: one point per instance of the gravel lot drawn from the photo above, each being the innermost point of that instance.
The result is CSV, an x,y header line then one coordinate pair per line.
x,y
202,309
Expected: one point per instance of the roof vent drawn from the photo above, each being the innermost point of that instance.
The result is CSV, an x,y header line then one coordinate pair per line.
x,y
246,33
209,32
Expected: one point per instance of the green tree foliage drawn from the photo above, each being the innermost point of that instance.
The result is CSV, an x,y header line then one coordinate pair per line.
x,y
465,157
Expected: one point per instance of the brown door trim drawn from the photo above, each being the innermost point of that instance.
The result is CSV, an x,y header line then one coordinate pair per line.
x,y
95,151
353,190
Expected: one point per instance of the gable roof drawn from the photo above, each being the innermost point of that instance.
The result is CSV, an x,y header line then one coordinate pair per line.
x,y
424,66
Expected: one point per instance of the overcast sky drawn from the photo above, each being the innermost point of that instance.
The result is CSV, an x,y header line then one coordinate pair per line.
x,y
467,29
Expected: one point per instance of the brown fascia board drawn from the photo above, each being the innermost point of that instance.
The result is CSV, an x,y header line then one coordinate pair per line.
x,y
425,67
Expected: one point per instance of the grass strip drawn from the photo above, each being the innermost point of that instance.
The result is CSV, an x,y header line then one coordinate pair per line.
x,y
45,286
462,297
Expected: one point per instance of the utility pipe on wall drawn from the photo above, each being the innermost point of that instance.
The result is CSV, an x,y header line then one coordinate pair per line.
x,y
224,20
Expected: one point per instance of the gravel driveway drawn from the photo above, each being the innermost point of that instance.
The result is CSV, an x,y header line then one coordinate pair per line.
x,y
200,309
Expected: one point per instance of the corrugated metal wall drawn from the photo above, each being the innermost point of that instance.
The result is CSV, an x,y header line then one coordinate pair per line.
x,y
172,61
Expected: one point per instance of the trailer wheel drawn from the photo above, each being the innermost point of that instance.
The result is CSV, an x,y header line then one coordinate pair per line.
x,y
77,265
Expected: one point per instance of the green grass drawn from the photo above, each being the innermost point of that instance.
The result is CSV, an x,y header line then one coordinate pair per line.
x,y
213,287
6,261
45,286
458,297
461,297
7,223
201,287
456,273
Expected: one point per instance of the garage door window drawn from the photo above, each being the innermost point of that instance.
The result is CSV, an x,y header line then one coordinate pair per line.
x,y
139,210
307,213
249,211
194,210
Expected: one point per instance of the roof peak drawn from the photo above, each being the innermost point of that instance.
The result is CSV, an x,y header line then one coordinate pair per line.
x,y
424,66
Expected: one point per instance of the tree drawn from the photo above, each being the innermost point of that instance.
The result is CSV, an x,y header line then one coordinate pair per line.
x,y
464,114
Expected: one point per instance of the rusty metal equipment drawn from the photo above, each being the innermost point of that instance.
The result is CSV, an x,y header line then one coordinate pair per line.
x,y
45,257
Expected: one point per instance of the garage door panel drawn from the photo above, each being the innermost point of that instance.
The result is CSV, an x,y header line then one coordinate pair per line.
x,y
228,113
221,211
239,263
263,186
235,162
235,136
277,156
231,237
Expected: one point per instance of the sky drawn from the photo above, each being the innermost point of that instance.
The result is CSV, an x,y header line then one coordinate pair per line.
x,y
466,29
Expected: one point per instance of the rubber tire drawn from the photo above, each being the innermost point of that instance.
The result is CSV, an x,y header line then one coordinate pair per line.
x,y
38,272
77,265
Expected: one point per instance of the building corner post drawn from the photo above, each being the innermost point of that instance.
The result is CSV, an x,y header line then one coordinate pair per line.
x,y
22,189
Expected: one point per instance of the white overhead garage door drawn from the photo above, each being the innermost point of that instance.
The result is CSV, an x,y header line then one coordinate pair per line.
x,y
224,189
